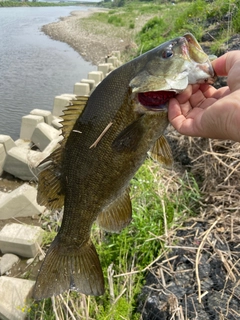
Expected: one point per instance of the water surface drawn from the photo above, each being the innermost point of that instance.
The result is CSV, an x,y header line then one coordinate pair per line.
x,y
33,67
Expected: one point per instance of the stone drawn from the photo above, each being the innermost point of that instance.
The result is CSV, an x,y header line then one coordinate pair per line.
x,y
81,89
7,142
60,103
19,162
7,262
2,158
56,123
28,125
114,60
91,83
105,68
97,76
47,115
20,239
14,295
117,54
43,135
20,203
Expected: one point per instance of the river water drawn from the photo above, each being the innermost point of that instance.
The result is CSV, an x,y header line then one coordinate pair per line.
x,y
33,67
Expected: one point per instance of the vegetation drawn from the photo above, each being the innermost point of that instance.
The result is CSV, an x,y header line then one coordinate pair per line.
x,y
35,4
165,20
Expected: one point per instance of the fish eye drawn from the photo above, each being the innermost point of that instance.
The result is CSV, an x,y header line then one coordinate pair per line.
x,y
168,53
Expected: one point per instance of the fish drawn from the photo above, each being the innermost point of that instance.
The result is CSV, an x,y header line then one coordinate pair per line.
x,y
107,137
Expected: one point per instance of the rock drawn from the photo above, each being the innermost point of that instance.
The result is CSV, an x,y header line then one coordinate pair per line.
x,y
47,115
2,157
19,163
81,89
20,203
7,142
91,83
28,125
22,240
43,134
13,297
105,68
60,103
29,261
97,76
7,261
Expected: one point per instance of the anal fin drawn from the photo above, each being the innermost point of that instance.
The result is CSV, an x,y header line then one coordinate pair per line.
x,y
117,215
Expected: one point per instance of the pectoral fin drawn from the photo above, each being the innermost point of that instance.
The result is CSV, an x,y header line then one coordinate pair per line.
x,y
129,138
162,152
117,215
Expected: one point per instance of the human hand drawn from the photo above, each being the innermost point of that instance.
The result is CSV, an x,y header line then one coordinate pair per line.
x,y
203,111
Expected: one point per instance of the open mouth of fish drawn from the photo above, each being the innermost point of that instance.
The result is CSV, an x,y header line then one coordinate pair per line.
x,y
155,100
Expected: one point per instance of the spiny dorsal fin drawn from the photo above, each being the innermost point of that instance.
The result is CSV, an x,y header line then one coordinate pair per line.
x,y
117,215
50,191
162,152
71,114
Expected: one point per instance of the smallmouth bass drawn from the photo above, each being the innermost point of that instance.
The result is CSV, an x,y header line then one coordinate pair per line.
x,y
106,139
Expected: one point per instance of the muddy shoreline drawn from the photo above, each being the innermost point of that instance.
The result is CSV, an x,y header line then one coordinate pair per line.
x,y
84,37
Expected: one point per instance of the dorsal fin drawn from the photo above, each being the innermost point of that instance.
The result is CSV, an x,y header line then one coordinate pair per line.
x,y
50,191
71,114
117,215
161,152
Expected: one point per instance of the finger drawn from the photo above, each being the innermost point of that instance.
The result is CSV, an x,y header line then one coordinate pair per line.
x,y
185,95
223,64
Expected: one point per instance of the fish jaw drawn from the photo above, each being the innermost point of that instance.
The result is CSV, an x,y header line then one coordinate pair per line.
x,y
198,64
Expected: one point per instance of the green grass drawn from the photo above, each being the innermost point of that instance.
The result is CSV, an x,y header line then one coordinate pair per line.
x,y
153,23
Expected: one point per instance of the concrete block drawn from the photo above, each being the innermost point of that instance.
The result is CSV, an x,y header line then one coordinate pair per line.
x,y
81,89
3,156
97,76
14,295
105,68
56,123
19,162
7,261
7,142
21,202
28,125
117,54
43,135
47,115
20,239
91,83
113,60
60,103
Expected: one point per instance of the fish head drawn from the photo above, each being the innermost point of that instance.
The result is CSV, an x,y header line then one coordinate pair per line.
x,y
169,69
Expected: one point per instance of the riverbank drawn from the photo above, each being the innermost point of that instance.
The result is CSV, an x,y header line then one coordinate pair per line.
x,y
92,41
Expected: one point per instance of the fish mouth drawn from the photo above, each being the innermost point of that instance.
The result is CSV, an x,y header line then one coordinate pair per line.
x,y
192,50
155,100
